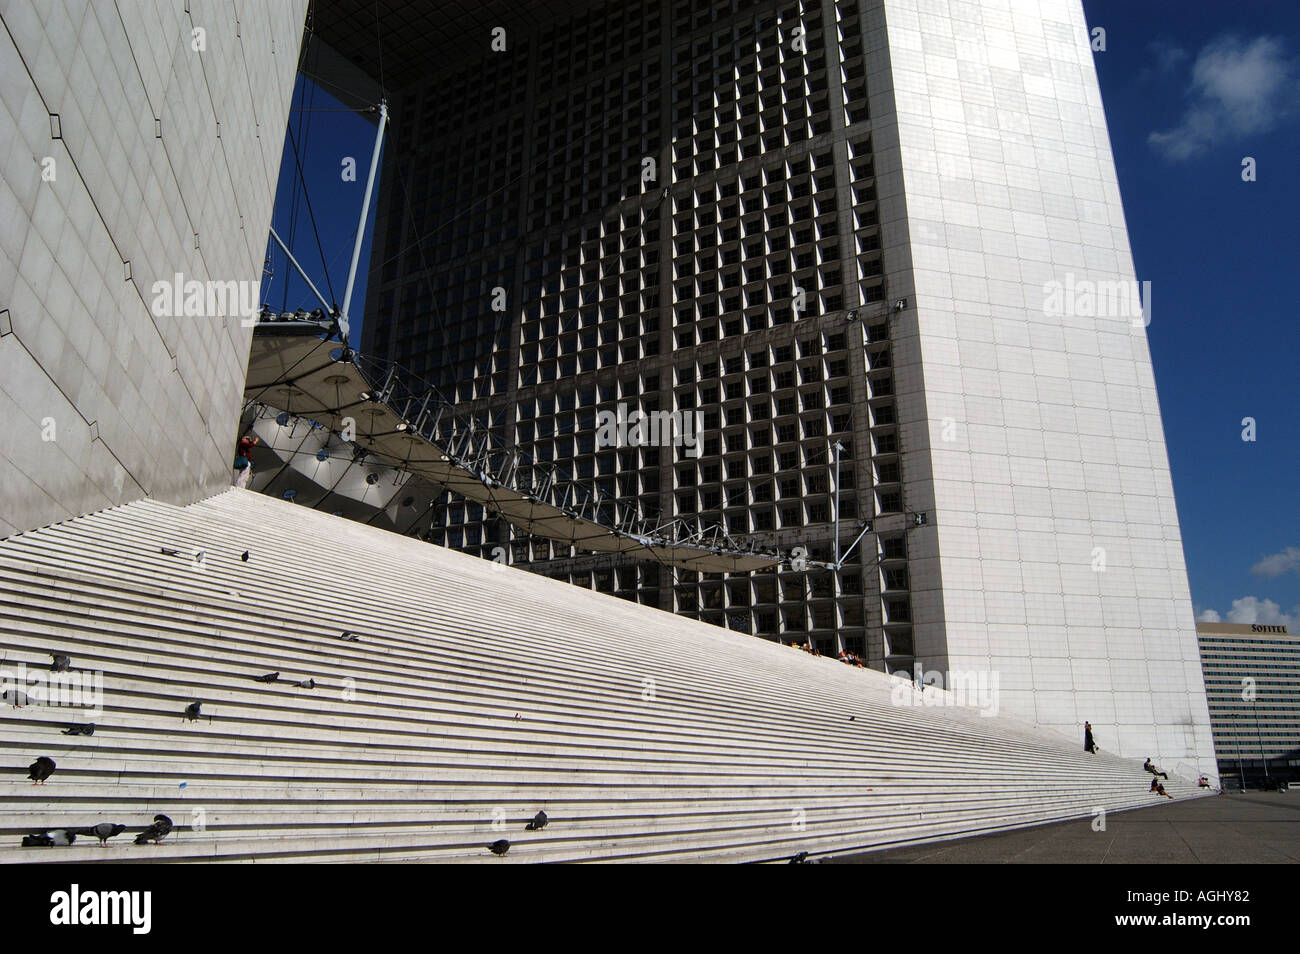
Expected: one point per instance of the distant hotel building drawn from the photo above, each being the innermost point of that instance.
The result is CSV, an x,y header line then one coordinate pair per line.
x,y
1252,681
847,231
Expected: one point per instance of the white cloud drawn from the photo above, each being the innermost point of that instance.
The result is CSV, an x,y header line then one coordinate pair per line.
x,y
1251,609
1238,88
1167,56
1278,563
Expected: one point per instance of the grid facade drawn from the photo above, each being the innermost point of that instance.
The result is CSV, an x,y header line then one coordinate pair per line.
x,y
672,290
1252,680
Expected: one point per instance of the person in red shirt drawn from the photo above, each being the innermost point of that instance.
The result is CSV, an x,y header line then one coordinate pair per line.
x,y
244,460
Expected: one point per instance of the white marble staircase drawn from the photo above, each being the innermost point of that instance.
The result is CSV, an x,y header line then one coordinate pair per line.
x,y
476,695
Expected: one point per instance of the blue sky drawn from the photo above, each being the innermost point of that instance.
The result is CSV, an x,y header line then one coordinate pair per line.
x,y
1190,89
325,134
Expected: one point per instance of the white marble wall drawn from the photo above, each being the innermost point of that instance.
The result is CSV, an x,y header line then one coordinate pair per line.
x,y
996,178
141,405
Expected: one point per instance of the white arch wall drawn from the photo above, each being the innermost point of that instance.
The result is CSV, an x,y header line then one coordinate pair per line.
x,y
165,157
996,177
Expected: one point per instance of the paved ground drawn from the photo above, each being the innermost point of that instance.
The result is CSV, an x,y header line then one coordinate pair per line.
x,y
1250,828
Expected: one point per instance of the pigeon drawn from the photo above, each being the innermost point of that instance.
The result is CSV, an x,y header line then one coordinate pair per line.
x,y
306,684
244,556
15,697
80,728
61,663
155,832
41,840
103,831
802,859
538,823
63,836
269,677
40,770
192,711
168,551
499,847
349,637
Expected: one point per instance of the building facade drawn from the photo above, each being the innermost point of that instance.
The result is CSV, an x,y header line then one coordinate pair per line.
x,y
1252,680
143,147
876,228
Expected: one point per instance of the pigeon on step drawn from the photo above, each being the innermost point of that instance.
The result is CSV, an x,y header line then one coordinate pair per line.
x,y
155,832
499,847
103,831
192,711
40,770
269,677
63,836
80,728
39,840
14,697
306,684
538,823
349,637
168,551
801,859
61,663
244,556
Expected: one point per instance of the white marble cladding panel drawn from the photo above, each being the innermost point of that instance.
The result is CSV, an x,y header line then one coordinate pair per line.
x,y
165,154
1059,554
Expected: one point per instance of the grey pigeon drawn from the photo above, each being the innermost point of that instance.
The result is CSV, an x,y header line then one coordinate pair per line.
x,y
155,832
103,831
168,551
80,728
244,556
192,711
40,770
499,847
63,836
349,637
269,677
14,697
61,663
538,823
306,684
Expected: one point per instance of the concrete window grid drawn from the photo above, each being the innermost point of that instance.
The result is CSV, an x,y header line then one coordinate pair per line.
x,y
577,352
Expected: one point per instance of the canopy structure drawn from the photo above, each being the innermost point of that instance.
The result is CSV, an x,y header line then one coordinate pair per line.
x,y
392,419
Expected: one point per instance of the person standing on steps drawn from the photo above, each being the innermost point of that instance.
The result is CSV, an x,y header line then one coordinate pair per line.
x,y
244,460
1088,744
